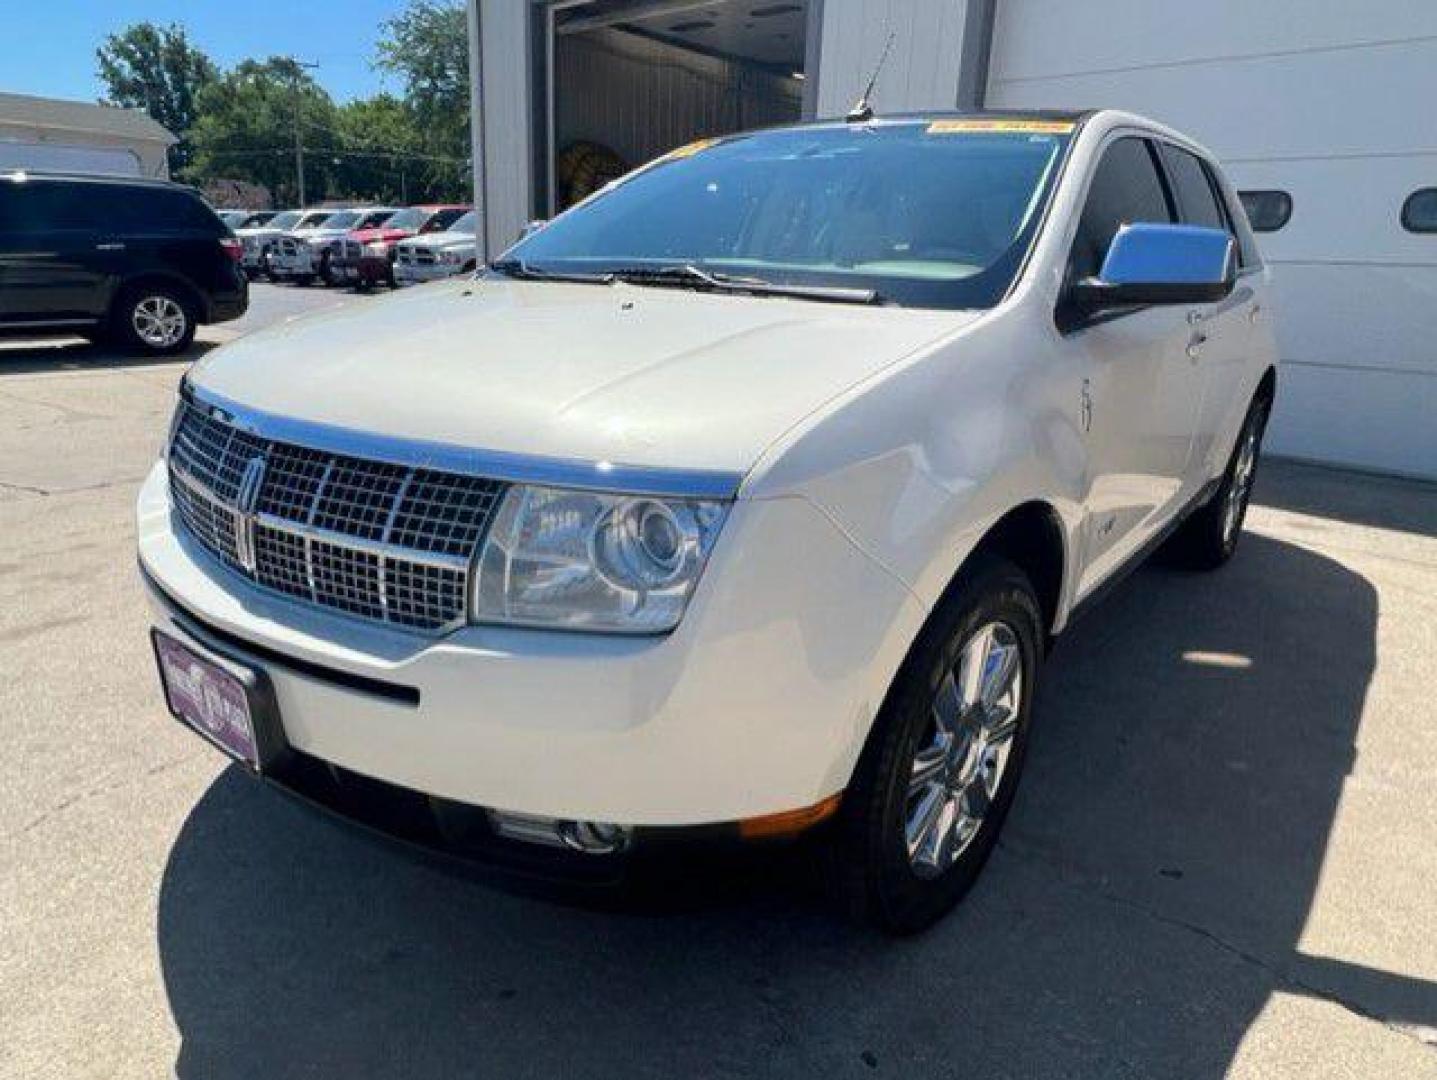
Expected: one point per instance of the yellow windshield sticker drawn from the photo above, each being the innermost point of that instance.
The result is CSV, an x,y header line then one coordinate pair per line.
x,y
690,150
1026,127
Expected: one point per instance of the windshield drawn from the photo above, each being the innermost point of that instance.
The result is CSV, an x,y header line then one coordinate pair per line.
x,y
927,213
345,219
233,218
464,225
286,220
315,219
407,219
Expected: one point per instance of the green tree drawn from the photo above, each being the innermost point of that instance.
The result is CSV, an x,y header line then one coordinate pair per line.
x,y
427,45
379,142
156,69
246,129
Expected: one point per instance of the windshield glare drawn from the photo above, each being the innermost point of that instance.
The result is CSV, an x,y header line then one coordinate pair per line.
x,y
285,220
464,225
343,220
928,214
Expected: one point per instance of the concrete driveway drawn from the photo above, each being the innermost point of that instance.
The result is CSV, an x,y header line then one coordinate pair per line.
x,y
1223,858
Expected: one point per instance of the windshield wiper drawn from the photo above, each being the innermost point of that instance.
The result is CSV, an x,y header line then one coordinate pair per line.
x,y
693,277
518,268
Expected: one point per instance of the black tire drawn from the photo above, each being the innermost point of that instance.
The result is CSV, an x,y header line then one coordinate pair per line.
x,y
304,280
1209,536
161,307
326,274
870,870
264,270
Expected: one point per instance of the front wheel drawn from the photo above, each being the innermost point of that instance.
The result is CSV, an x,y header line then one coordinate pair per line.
x,y
938,775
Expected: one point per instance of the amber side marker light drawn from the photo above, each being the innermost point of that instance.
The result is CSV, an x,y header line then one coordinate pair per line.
x,y
789,822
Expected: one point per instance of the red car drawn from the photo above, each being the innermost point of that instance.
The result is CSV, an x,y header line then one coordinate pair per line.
x,y
366,257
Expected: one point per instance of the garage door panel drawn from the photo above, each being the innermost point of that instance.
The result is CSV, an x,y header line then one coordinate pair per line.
x,y
1344,209
1357,316
1370,421
1318,104
1040,39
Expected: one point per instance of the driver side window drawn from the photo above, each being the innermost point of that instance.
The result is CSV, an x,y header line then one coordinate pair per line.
x,y
1126,188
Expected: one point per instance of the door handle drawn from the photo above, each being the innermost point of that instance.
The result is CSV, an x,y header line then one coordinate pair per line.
x,y
110,247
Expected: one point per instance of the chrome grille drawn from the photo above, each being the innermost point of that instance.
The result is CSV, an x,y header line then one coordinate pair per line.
x,y
380,541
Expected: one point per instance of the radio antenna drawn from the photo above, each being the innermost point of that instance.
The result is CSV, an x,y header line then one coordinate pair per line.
x,y
862,110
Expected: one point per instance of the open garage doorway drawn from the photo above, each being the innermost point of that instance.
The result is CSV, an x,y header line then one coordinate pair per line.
x,y
624,81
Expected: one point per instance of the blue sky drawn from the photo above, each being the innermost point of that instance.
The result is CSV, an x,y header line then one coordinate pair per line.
x,y
54,53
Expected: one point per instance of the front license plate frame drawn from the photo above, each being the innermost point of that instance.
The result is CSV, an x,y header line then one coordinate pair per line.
x,y
242,718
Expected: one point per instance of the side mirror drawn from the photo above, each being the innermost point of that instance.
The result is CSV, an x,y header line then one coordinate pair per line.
x,y
532,227
1160,264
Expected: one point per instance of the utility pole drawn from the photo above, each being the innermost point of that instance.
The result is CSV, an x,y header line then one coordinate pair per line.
x,y
296,66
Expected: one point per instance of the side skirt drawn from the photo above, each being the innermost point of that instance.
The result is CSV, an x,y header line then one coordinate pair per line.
x,y
1137,558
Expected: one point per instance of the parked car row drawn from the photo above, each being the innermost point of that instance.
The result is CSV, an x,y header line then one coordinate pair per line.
x,y
361,246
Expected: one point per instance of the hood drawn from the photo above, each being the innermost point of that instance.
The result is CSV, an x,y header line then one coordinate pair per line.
x,y
368,236
312,235
619,373
441,241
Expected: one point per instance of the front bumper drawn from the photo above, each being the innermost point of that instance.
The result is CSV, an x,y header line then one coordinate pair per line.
x,y
369,269
759,703
299,264
413,273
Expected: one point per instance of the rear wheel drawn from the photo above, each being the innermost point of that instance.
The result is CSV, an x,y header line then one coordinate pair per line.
x,y
939,773
326,272
1209,537
155,319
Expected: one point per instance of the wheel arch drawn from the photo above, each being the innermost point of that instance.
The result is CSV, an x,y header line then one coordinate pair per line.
x,y
1032,537
138,281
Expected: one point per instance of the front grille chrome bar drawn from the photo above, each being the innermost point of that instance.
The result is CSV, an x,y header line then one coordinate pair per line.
x,y
379,549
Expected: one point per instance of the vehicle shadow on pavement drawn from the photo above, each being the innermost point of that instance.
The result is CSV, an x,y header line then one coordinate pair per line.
x,y
1146,902
31,357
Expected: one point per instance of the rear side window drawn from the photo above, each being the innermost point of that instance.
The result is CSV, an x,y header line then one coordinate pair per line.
x,y
1419,211
43,206
161,210
1197,203
1126,188
1268,210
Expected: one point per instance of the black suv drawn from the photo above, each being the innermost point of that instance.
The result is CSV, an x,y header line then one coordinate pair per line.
x,y
137,262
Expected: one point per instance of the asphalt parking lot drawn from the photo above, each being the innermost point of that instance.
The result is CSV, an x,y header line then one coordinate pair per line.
x,y
1223,858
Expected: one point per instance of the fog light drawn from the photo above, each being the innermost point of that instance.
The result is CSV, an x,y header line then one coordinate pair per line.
x,y
589,837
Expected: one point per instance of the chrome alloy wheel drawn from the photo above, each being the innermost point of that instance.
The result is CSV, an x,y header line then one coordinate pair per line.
x,y
1242,476
159,321
964,751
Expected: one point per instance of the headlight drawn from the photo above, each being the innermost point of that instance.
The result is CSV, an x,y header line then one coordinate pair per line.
x,y
376,247
583,560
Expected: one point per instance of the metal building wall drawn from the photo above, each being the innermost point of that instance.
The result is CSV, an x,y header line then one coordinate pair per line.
x,y
641,98
506,29
1332,103
922,68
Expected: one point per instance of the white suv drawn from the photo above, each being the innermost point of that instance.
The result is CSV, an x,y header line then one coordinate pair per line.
x,y
742,500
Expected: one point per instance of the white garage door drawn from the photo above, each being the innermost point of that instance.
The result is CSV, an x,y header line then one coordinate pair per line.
x,y
1330,103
